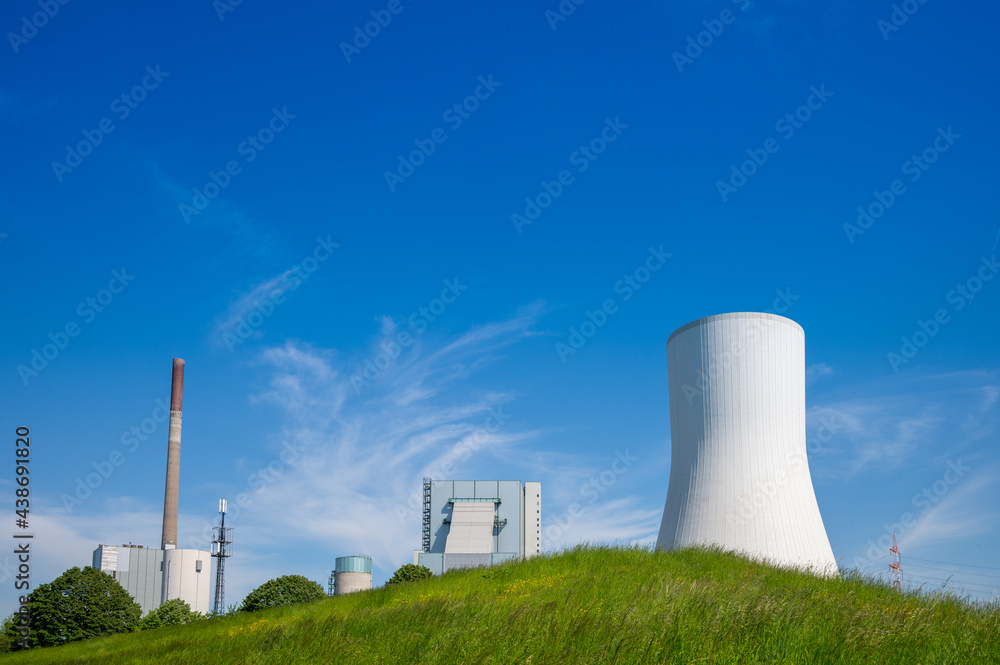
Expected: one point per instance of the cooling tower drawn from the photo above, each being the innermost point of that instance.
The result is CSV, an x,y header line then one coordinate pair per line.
x,y
739,476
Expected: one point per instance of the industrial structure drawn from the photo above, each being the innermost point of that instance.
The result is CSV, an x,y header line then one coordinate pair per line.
x,y
739,475
138,569
221,550
468,523
350,574
153,577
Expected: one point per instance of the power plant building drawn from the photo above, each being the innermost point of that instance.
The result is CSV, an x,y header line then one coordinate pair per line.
x,y
138,569
154,576
739,475
469,523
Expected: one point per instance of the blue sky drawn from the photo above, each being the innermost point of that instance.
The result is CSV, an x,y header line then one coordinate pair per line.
x,y
278,209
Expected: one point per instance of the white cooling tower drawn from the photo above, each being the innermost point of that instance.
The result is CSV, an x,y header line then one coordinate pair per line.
x,y
739,476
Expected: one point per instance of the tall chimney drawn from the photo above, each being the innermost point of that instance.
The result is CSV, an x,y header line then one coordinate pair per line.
x,y
173,457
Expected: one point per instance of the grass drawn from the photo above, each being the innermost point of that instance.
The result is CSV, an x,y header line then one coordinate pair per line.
x,y
588,605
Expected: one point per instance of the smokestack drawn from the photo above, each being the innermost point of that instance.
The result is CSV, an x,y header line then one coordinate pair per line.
x,y
170,493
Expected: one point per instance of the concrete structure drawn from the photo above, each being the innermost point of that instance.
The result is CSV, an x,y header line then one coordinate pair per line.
x,y
352,573
739,476
187,574
153,577
138,569
172,486
469,523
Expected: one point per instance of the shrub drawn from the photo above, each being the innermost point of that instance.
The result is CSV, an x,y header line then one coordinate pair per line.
x,y
282,591
410,573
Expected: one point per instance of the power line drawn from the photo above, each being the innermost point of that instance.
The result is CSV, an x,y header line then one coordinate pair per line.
x,y
951,563
955,572
949,583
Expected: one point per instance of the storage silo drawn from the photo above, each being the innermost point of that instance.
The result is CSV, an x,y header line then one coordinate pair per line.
x,y
739,475
352,573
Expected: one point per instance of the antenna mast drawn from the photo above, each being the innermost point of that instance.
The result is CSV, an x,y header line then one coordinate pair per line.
x,y
897,572
221,551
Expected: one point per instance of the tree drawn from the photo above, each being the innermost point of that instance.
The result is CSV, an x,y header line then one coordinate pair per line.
x,y
282,591
9,634
174,612
77,605
410,572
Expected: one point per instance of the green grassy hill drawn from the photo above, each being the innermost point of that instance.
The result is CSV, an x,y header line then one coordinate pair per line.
x,y
589,605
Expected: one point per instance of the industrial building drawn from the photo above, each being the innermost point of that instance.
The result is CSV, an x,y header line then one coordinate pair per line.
x,y
350,574
138,569
468,523
739,475
152,577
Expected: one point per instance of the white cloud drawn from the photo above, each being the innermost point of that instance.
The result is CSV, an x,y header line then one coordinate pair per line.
x,y
887,425
817,371
959,514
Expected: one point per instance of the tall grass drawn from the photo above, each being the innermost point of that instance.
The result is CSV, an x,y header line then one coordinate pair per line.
x,y
588,605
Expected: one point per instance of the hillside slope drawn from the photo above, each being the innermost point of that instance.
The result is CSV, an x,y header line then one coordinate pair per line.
x,y
589,605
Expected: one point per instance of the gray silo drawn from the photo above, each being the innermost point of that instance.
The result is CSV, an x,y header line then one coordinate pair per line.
x,y
352,573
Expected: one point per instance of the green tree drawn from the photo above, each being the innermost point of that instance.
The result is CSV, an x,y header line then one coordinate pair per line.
x,y
9,634
282,591
77,605
410,572
174,612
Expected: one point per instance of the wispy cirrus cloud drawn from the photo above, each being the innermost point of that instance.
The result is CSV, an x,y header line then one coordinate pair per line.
x,y
959,514
356,486
271,289
880,425
817,371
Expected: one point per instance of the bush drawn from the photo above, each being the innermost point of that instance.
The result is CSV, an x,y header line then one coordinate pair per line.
x,y
410,572
284,590
174,612
77,605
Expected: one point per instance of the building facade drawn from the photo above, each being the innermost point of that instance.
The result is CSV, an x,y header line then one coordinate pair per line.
x,y
138,569
468,523
154,576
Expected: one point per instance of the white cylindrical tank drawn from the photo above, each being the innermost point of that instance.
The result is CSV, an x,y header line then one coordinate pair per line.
x,y
187,574
739,476
352,573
